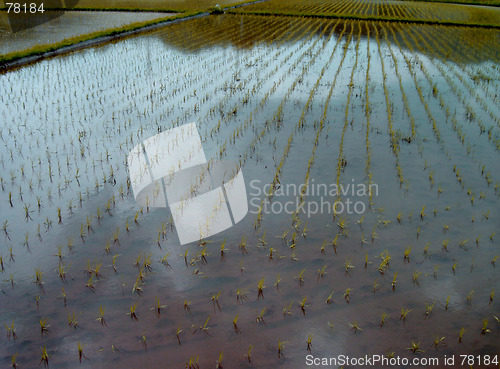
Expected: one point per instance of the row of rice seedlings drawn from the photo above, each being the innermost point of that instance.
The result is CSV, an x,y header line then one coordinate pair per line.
x,y
60,217
319,130
341,161
367,108
250,120
470,90
472,48
278,115
228,117
239,131
290,139
410,115
236,74
394,142
454,87
276,34
462,137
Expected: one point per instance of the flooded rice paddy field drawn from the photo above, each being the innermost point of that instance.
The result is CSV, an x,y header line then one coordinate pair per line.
x,y
66,25
411,111
386,9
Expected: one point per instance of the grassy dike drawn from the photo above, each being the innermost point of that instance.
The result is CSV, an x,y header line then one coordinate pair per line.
x,y
7,60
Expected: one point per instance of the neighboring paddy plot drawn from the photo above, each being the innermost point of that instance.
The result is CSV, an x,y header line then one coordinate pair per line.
x,y
412,11
72,24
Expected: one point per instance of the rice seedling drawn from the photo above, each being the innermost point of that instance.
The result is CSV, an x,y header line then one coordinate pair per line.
x,y
13,363
404,313
428,310
62,295
11,331
132,313
187,305
347,295
144,340
492,294
202,328
115,256
321,272
72,320
382,320
300,277
241,295
355,327
374,234
38,277
248,355
348,265
287,310
81,355
439,341
215,300
62,270
461,334
260,317
219,360
260,288
309,341
406,256
329,299
177,334
415,347
116,235
44,327
469,297
242,245
394,281
45,357
192,363
422,213
303,305
281,347
415,276
223,250
485,328
100,317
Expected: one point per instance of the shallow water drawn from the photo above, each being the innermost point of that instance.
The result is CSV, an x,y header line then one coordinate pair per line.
x,y
66,25
273,84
